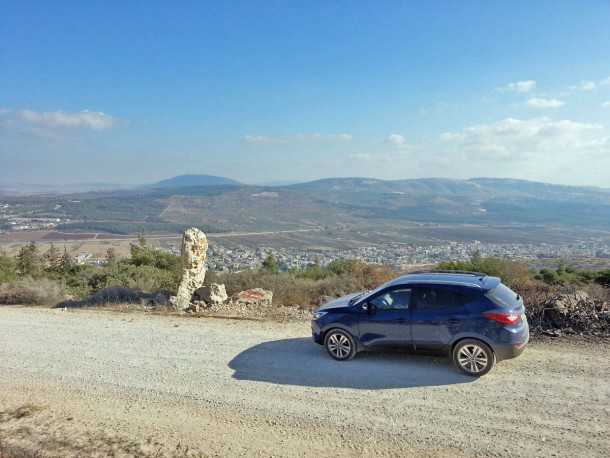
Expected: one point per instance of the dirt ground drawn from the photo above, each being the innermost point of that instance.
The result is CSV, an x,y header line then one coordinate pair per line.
x,y
86,383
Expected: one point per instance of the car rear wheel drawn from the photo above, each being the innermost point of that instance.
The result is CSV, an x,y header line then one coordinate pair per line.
x,y
340,345
473,357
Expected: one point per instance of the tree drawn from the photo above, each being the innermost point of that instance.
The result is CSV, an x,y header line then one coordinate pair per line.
x,y
270,264
65,262
476,258
111,256
28,260
141,239
343,266
550,277
51,259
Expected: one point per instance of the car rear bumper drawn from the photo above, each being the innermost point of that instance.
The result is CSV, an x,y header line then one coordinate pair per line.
x,y
509,351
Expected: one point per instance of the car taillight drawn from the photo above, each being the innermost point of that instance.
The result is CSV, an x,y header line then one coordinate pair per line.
x,y
503,317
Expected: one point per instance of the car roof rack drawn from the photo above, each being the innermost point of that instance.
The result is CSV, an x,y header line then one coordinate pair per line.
x,y
458,272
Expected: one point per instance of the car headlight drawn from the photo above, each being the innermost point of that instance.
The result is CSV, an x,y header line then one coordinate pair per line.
x,y
318,315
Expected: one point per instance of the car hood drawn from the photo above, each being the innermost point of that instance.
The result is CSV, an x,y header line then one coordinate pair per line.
x,y
338,303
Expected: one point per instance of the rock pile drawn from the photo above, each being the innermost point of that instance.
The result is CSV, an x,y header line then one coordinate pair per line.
x,y
573,312
213,298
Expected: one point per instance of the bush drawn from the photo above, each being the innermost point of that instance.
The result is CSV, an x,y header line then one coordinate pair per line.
x,y
603,278
512,273
8,268
307,286
28,291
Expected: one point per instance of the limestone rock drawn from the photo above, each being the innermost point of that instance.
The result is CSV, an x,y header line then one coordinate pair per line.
x,y
255,296
194,249
213,294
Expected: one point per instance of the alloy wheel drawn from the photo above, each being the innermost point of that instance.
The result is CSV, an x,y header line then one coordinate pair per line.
x,y
339,345
472,358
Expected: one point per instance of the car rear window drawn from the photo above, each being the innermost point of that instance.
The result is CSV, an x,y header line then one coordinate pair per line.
x,y
503,295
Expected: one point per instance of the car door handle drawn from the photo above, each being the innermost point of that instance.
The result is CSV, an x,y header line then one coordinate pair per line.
x,y
454,321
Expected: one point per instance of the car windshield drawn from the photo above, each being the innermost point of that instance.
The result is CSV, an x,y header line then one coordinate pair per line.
x,y
368,293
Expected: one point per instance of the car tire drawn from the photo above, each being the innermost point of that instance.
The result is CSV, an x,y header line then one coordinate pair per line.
x,y
340,345
473,357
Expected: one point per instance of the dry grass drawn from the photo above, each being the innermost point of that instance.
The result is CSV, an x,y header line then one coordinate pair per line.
x,y
291,290
29,291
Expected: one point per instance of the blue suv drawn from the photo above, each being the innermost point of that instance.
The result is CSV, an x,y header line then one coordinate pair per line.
x,y
472,316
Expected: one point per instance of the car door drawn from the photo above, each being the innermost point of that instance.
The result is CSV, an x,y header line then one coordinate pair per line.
x,y
385,318
438,312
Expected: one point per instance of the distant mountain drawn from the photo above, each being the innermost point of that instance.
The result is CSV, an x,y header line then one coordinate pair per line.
x,y
191,181
477,200
223,205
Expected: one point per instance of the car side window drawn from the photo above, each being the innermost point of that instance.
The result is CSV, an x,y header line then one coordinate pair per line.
x,y
395,299
436,298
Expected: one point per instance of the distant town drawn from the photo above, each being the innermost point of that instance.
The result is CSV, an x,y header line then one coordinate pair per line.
x,y
400,256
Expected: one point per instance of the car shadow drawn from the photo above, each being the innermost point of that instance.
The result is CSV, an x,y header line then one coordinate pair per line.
x,y
301,362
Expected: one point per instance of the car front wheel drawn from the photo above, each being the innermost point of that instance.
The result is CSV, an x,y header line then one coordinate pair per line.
x,y
340,345
473,357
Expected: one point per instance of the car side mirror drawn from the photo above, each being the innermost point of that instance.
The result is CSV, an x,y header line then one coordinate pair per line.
x,y
369,307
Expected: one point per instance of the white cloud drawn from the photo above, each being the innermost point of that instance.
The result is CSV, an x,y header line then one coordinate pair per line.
x,y
297,138
606,104
514,139
88,119
588,86
538,102
4,111
520,86
259,140
396,139
585,86
322,137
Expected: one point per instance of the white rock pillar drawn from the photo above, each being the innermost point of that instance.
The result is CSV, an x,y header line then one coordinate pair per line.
x,y
194,252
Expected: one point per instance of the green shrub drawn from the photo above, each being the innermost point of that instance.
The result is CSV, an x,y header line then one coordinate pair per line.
x,y
512,273
307,286
8,268
603,278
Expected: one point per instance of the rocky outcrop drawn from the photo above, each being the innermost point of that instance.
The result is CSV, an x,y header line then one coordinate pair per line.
x,y
194,249
254,297
213,295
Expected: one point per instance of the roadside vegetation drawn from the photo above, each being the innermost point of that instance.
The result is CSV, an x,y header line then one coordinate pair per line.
x,y
33,277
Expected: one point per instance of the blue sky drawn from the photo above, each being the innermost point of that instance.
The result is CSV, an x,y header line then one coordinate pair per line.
x,y
271,91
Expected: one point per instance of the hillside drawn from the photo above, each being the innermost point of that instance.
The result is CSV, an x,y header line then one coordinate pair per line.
x,y
478,200
368,204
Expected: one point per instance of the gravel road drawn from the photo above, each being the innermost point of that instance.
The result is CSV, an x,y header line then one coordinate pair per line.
x,y
87,383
